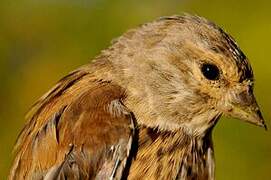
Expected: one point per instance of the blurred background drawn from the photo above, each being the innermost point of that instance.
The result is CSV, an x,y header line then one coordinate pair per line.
x,y
42,40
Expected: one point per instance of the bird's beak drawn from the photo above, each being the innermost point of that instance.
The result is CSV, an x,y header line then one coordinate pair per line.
x,y
243,105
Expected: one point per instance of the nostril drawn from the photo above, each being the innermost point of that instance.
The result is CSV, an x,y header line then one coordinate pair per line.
x,y
245,98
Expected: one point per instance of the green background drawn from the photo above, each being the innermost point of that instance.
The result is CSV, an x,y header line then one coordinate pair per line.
x,y
42,40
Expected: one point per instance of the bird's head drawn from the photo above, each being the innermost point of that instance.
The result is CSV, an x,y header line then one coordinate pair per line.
x,y
184,71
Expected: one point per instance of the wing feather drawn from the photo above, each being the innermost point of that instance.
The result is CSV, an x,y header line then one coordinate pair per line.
x,y
79,130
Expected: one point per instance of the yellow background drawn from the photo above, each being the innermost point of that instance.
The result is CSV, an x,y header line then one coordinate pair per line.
x,y
42,40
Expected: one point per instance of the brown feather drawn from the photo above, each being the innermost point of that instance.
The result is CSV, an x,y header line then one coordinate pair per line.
x,y
81,137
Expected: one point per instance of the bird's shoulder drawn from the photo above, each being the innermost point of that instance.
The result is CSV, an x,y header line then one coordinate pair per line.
x,y
78,129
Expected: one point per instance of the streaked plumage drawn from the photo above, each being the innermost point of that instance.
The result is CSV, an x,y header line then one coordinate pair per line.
x,y
143,109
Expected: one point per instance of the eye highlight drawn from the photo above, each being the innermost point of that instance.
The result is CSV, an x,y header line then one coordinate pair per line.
x,y
210,71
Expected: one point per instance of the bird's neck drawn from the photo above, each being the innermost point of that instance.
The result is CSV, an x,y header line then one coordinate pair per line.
x,y
172,155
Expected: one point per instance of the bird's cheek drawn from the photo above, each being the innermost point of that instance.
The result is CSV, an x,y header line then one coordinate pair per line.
x,y
242,106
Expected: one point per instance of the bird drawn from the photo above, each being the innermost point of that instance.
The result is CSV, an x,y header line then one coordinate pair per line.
x,y
144,108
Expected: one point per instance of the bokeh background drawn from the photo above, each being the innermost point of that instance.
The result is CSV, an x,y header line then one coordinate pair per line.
x,y
42,40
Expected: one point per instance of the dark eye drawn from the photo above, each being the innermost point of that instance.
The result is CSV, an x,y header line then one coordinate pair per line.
x,y
210,71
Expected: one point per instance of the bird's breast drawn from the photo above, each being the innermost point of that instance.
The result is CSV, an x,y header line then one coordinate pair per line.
x,y
166,155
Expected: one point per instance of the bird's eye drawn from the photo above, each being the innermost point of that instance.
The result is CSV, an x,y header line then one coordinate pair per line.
x,y
210,71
